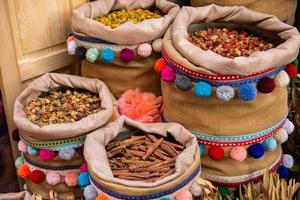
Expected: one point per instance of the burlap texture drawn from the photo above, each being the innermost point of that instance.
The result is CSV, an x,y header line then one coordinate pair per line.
x,y
120,76
63,130
98,162
24,195
259,61
127,33
283,9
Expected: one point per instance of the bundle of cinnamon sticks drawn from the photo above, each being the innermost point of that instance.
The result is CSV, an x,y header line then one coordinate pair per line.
x,y
144,158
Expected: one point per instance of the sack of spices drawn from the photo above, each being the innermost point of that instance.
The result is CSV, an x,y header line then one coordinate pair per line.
x,y
285,10
53,115
119,42
225,72
141,161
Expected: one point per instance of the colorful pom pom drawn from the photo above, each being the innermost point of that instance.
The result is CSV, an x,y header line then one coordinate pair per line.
x,y
238,153
183,82
24,171
157,45
168,75
83,167
288,126
90,193
71,46
269,144
202,89
281,136
184,195
46,155
282,79
32,151
102,197
80,150
256,151
37,176
291,70
66,154
283,172
92,55
83,179
224,191
216,153
201,149
225,92
16,135
287,160
80,52
196,189
296,62
159,65
22,146
107,55
144,50
70,38
127,55
71,179
266,85
247,92
166,198
53,178
19,162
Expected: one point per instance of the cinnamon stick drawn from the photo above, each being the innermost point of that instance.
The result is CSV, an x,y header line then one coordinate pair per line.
x,y
152,148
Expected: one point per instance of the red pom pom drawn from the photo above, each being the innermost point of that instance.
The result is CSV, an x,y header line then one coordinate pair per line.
x,y
216,153
291,70
159,65
37,176
266,85
15,135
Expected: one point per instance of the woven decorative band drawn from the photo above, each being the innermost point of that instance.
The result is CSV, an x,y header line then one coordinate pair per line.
x,y
235,181
218,80
91,39
55,145
149,196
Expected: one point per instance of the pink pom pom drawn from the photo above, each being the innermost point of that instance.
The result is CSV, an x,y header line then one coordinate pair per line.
x,y
52,178
167,74
22,146
71,179
46,155
184,195
238,153
83,167
144,50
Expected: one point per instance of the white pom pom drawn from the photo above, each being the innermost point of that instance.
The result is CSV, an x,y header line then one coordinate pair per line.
x,y
144,50
66,154
281,136
157,45
196,189
288,126
90,192
71,47
282,79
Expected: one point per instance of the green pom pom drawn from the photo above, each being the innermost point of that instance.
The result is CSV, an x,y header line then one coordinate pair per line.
x,y
224,191
296,62
19,161
92,55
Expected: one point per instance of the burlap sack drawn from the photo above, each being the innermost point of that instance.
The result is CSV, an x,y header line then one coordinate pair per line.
x,y
120,76
128,33
24,195
283,9
63,130
284,53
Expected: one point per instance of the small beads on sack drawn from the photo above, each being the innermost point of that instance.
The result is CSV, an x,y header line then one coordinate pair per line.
x,y
247,92
53,178
92,55
266,85
107,55
256,151
127,55
225,93
183,82
144,50
281,136
216,153
269,144
71,179
202,89
167,74
37,176
157,45
287,160
238,153
159,65
282,79
90,193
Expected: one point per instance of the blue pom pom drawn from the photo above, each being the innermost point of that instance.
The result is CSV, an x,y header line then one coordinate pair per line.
x,y
283,172
201,149
32,151
107,55
90,193
270,144
66,154
84,179
183,82
202,89
247,92
225,92
256,150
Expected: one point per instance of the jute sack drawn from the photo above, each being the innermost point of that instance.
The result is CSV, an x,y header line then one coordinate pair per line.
x,y
283,9
63,130
187,163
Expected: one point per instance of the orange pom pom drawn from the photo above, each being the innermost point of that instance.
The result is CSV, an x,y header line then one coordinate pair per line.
x,y
24,171
159,65
102,197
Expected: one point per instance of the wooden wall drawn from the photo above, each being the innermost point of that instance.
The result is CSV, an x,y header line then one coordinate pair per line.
x,y
32,42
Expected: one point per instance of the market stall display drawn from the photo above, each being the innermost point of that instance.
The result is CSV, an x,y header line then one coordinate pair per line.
x,y
235,106
119,42
53,115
